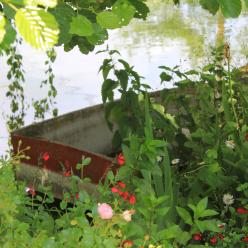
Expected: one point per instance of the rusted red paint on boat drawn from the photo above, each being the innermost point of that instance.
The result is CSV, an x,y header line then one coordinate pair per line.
x,y
62,154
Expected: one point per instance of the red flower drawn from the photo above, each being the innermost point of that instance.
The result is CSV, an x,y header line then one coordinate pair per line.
x,y
246,136
132,199
221,236
245,239
197,236
31,191
114,190
67,173
125,195
45,156
121,159
121,184
77,196
213,240
127,243
241,211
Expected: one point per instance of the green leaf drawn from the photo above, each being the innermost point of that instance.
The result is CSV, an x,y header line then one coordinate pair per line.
x,y
81,26
9,37
165,77
45,3
141,9
161,212
201,206
123,78
230,8
108,20
63,205
86,161
99,35
170,233
208,213
183,238
107,89
124,10
2,27
63,14
185,215
207,225
246,3
8,11
211,5
38,27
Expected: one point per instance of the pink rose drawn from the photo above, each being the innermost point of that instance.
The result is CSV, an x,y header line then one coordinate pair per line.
x,y
105,211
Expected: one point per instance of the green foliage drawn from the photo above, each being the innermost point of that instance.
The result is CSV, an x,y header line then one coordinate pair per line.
x,y
211,5
47,104
38,27
230,8
108,20
81,26
15,89
44,24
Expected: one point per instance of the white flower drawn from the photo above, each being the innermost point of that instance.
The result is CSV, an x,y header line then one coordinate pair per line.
x,y
222,225
127,215
175,161
230,144
27,189
159,159
228,199
185,131
218,78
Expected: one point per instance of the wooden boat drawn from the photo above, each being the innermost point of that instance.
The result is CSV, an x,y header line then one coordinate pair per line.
x,y
67,139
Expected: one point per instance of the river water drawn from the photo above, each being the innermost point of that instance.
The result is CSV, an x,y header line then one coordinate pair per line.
x,y
170,36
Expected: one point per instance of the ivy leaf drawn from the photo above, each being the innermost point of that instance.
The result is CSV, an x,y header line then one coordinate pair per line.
x,y
230,8
211,5
124,10
81,26
108,20
2,27
38,27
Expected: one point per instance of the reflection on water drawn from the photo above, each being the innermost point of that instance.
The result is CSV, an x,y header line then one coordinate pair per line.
x,y
171,36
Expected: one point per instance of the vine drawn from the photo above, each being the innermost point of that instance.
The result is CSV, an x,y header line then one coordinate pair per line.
x,y
15,89
47,104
